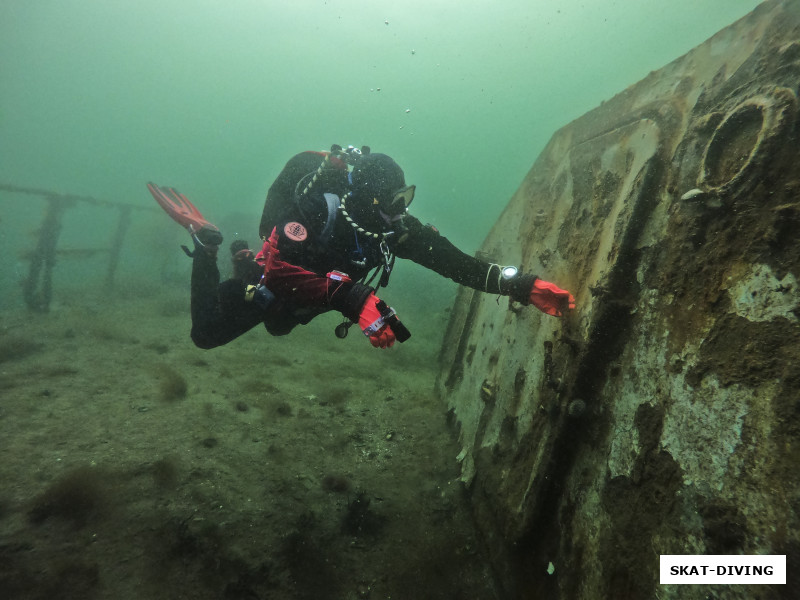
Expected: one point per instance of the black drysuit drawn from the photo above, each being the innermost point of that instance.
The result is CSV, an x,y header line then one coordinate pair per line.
x,y
221,312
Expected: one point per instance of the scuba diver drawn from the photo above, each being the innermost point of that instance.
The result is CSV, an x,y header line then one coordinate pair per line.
x,y
332,225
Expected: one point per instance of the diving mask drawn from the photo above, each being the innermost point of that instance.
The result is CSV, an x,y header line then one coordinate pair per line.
x,y
400,201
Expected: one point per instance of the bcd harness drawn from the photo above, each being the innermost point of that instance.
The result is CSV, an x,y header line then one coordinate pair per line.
x,y
339,158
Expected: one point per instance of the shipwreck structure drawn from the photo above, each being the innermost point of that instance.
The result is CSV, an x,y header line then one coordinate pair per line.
x,y
37,286
663,416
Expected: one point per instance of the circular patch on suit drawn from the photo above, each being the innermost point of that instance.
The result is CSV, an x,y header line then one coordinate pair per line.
x,y
295,231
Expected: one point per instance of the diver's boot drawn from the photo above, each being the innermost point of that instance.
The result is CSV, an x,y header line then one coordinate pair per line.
x,y
206,240
245,267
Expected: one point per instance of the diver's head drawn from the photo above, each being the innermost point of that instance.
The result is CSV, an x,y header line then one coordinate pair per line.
x,y
378,182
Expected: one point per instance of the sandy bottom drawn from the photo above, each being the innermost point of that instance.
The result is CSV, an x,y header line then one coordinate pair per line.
x,y
138,466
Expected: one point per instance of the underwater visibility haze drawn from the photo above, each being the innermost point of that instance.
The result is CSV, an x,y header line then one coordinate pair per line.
x,y
97,97
138,466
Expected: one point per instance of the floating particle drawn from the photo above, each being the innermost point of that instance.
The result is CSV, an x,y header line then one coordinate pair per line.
x,y
408,110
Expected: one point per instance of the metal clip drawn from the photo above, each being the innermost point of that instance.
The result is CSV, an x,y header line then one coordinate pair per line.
x,y
387,256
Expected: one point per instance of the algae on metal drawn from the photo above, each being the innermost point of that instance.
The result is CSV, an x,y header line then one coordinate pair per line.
x,y
671,212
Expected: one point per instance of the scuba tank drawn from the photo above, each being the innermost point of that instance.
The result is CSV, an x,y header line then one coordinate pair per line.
x,y
290,194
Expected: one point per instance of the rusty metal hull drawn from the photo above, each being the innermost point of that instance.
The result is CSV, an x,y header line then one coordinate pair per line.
x,y
662,417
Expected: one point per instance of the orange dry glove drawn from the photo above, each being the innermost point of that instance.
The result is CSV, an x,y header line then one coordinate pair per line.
x,y
550,299
373,325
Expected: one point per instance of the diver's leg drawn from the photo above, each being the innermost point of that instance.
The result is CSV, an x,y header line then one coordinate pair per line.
x,y
219,312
